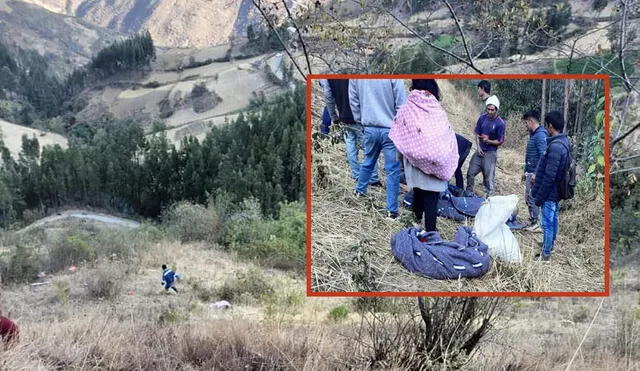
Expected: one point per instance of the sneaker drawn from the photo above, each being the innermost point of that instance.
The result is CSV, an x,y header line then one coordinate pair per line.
x,y
357,194
392,216
535,228
540,258
376,184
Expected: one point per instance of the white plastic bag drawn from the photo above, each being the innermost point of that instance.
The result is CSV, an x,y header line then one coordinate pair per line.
x,y
490,227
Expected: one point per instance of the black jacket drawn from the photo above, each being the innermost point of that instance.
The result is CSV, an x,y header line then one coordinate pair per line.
x,y
340,92
550,170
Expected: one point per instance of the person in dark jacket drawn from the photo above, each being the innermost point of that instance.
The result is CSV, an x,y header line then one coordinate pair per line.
x,y
536,146
169,278
464,147
336,96
549,172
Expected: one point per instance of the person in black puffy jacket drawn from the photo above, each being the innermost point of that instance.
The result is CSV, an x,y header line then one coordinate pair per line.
x,y
549,172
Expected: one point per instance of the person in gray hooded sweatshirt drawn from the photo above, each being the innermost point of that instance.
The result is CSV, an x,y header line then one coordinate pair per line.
x,y
374,103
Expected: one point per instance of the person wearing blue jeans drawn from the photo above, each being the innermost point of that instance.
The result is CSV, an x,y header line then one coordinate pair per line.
x,y
353,136
550,227
325,128
536,146
374,103
551,167
336,96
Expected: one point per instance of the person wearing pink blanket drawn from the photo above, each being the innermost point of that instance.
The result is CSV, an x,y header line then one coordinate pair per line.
x,y
431,160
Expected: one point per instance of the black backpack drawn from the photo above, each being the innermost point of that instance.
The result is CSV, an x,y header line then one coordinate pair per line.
x,y
567,184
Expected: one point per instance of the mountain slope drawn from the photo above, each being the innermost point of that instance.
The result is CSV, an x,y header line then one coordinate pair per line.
x,y
65,41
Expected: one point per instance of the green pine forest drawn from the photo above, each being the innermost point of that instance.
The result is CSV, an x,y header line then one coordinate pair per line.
x,y
114,166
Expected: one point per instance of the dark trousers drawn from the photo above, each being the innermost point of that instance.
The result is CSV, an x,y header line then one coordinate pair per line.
x,y
426,202
458,173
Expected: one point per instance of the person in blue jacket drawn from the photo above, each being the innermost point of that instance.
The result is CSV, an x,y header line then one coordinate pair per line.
x,y
536,146
169,278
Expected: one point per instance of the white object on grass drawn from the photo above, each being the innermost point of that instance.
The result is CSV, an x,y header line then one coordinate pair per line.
x,y
222,304
489,226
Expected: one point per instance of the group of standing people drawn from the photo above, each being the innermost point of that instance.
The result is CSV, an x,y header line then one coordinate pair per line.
x,y
368,109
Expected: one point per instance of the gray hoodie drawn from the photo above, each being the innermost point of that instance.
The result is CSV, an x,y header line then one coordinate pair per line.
x,y
375,102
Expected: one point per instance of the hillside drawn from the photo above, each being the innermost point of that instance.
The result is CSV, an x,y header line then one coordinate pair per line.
x,y
172,23
115,315
12,137
167,92
65,41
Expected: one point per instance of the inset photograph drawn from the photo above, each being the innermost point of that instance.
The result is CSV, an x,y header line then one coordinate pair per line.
x,y
457,185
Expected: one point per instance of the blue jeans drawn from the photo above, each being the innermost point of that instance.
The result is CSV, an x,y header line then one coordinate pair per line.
x,y
377,140
534,210
549,226
353,137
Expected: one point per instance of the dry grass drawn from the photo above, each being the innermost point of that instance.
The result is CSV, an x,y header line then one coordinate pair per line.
x,y
143,328
545,333
12,137
351,236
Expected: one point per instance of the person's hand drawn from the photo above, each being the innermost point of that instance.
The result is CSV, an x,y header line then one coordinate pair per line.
x,y
533,178
524,177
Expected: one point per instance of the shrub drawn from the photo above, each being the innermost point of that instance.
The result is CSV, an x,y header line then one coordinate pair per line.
x,y
251,282
598,5
199,90
165,108
278,243
23,266
62,291
105,283
191,222
204,293
339,313
71,250
281,305
151,85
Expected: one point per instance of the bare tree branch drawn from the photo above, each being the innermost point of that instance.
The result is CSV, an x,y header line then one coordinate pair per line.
x,y
627,133
623,33
257,4
295,25
625,170
464,39
460,59
628,158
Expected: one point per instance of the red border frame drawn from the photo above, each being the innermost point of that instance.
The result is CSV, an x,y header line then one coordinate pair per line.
x,y
606,80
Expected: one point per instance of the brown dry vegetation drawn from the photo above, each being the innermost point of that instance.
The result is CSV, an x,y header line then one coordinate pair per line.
x,y
349,234
140,327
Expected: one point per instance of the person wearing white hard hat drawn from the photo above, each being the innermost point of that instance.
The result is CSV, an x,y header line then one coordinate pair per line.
x,y
490,131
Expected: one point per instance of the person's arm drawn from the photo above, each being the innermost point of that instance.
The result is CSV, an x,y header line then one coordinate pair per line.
x,y
354,100
398,92
330,102
500,129
477,131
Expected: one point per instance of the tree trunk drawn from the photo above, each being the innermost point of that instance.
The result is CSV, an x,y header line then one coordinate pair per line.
x,y
567,91
544,89
550,95
578,124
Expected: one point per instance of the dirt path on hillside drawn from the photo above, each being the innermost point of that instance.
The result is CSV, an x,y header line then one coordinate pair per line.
x,y
83,214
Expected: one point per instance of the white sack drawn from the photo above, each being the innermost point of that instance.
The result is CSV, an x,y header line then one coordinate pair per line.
x,y
490,227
